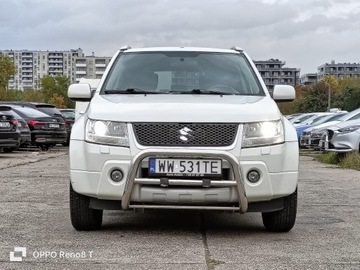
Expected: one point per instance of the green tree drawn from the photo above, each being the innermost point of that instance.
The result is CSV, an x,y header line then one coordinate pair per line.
x,y
7,69
33,95
314,98
58,101
56,85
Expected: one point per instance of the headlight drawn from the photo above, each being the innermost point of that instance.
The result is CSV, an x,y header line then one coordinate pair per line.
x,y
107,132
263,133
348,129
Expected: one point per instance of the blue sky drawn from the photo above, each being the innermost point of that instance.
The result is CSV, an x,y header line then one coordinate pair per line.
x,y
304,33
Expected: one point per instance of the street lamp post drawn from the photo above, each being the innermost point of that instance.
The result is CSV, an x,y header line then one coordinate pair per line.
x,y
329,97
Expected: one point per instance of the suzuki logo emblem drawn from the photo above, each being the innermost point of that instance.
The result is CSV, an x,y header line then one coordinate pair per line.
x,y
185,134
3,117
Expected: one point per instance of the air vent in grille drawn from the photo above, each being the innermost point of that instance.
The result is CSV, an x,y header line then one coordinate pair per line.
x,y
183,134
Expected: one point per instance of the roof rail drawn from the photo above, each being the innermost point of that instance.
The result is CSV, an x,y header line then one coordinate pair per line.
x,y
236,48
124,48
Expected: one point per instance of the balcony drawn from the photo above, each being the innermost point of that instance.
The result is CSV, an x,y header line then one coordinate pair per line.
x,y
27,81
56,71
26,60
55,66
56,55
80,72
27,75
99,72
100,65
80,64
55,61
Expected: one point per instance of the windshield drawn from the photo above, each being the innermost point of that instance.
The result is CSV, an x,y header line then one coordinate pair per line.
x,y
29,112
302,118
182,72
329,118
68,114
49,110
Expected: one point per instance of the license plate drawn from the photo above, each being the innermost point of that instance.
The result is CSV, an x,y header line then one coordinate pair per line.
x,y
5,124
53,125
185,167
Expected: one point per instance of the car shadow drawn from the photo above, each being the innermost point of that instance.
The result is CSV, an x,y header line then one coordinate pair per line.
x,y
167,221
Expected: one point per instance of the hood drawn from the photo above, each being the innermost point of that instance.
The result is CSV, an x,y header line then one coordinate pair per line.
x,y
345,124
323,125
183,108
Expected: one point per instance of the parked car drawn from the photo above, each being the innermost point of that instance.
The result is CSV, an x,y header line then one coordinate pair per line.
x,y
69,115
304,136
343,137
291,116
46,131
9,132
154,138
313,137
46,108
311,119
23,127
301,118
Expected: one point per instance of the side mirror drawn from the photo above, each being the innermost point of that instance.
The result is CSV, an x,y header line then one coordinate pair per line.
x,y
80,92
284,93
297,121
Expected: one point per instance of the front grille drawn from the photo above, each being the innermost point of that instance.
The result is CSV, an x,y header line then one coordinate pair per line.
x,y
183,134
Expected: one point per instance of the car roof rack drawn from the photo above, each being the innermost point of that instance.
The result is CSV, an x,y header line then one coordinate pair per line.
x,y
124,48
237,48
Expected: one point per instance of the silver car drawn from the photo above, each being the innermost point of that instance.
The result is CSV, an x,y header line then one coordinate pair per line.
x,y
343,137
314,137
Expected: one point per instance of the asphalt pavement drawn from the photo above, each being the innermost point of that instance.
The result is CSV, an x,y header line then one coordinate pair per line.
x,y
34,215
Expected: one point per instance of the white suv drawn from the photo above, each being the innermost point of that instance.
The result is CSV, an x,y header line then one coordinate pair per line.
x,y
183,128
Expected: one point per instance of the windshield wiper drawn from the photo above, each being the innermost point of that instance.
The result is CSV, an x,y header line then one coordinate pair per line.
x,y
199,91
130,91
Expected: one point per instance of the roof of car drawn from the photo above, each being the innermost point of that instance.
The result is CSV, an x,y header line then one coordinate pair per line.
x,y
185,49
24,103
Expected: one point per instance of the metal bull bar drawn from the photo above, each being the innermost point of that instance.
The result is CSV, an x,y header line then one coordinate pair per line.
x,y
184,153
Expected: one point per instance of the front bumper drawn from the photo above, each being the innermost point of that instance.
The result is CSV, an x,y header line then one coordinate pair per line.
x,y
91,165
342,142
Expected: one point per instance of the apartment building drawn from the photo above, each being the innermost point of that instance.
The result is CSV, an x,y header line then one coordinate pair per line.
x,y
309,78
31,66
339,70
90,67
273,71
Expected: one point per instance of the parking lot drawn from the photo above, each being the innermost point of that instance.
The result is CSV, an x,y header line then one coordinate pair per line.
x,y
35,214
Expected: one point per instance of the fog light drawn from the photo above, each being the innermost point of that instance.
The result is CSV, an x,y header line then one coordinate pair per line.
x,y
116,175
253,176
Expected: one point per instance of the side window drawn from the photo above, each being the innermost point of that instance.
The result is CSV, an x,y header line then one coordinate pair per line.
x,y
356,116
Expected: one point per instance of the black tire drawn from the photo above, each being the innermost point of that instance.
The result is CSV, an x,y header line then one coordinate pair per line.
x,y
44,147
282,220
83,218
9,150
